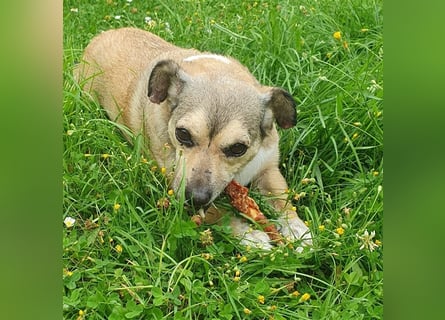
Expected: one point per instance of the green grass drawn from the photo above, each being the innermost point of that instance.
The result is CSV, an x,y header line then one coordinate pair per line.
x,y
144,261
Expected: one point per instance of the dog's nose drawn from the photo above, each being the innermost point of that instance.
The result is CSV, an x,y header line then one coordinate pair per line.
x,y
199,197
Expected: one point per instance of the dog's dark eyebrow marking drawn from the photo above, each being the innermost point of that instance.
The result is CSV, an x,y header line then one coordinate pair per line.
x,y
217,120
212,131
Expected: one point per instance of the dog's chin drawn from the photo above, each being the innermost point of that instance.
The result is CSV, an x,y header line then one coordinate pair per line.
x,y
198,207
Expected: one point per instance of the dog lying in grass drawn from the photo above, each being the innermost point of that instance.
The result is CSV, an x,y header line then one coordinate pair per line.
x,y
204,117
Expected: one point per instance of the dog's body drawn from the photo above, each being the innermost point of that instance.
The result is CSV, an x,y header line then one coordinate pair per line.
x,y
206,118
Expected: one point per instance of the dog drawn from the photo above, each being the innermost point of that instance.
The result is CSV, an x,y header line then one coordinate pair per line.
x,y
206,119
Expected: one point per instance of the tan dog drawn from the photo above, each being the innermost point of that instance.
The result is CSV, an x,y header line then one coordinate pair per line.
x,y
206,118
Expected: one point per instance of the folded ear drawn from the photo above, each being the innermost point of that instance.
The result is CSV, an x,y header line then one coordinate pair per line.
x,y
283,108
164,81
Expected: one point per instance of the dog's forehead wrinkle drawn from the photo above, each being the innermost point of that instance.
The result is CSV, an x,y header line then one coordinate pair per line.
x,y
229,123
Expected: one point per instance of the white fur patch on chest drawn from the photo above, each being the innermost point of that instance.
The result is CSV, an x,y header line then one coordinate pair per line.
x,y
255,166
207,56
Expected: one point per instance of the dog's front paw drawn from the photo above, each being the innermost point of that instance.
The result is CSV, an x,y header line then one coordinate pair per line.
x,y
250,237
293,228
257,239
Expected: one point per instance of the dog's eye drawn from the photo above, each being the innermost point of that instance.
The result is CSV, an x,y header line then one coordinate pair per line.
x,y
235,150
184,137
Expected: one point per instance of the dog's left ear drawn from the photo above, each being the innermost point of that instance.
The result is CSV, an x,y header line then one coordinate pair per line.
x,y
283,108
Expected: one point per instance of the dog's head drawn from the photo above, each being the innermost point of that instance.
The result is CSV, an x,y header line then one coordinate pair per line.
x,y
219,126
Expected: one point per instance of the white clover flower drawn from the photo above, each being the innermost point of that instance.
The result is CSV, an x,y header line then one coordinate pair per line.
x,y
117,17
367,242
69,222
374,86
75,10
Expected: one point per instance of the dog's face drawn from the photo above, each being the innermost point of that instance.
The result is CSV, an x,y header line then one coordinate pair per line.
x,y
219,129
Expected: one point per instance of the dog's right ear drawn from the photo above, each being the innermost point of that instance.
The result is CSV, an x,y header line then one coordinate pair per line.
x,y
164,81
281,106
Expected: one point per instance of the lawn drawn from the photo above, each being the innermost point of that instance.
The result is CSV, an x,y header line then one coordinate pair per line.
x,y
130,250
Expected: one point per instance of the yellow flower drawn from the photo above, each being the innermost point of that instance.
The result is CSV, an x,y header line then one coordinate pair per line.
x,y
170,192
337,35
118,248
364,30
272,307
105,156
206,237
247,311
207,256
375,173
305,297
261,299
295,293
321,227
81,315
307,223
66,272
307,180
378,242
151,23
163,170
243,259
116,206
355,136
340,231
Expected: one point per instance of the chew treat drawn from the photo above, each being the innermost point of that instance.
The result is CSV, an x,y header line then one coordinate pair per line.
x,y
240,200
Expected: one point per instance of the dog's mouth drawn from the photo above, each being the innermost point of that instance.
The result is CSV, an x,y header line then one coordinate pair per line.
x,y
200,198
198,205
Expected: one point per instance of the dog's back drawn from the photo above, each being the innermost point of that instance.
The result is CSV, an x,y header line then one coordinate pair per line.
x,y
117,63
112,64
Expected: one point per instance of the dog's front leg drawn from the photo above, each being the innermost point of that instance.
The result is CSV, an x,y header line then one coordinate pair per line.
x,y
240,229
272,183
